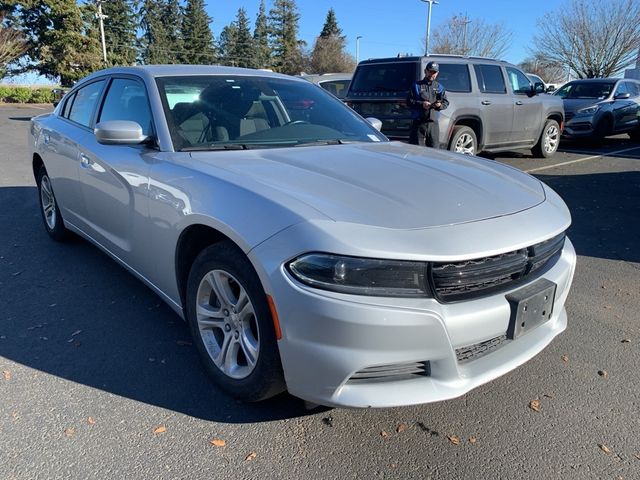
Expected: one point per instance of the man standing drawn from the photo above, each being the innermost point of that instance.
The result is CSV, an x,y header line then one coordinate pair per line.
x,y
426,96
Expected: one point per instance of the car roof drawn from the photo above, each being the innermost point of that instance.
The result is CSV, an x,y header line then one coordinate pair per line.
x,y
438,57
590,80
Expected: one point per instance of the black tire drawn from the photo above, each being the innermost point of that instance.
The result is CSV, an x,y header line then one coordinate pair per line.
x,y
264,377
549,140
51,216
635,135
603,129
464,140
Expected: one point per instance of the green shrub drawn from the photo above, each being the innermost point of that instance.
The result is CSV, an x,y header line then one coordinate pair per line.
x,y
41,95
5,93
20,94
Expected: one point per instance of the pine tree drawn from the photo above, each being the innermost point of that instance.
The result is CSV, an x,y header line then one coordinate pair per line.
x,y
287,49
331,25
172,20
198,40
228,45
155,46
261,39
120,32
245,50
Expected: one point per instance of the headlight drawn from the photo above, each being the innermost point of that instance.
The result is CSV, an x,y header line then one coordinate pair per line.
x,y
589,110
361,276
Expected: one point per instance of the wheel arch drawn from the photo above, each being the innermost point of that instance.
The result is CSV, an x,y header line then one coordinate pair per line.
x,y
471,121
36,163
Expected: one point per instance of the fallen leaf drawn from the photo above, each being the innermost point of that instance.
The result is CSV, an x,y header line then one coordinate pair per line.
x,y
160,429
184,343
218,442
250,457
454,439
91,421
607,306
69,432
564,358
401,428
6,374
604,448
473,439
637,455
626,340
384,434
392,465
603,373
534,405
328,421
14,414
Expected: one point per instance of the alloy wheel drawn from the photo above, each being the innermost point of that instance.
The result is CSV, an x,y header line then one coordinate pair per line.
x,y
465,144
48,202
551,139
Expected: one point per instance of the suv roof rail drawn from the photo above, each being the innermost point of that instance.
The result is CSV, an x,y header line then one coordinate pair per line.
x,y
471,57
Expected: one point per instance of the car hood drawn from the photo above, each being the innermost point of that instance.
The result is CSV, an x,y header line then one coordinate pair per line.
x,y
572,105
389,185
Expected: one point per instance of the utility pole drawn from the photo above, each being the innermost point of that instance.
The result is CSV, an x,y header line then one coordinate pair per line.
x,y
465,22
100,16
426,46
358,48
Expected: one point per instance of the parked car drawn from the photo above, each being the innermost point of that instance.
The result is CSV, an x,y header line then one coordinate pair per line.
x,y
336,83
599,107
548,87
493,105
304,249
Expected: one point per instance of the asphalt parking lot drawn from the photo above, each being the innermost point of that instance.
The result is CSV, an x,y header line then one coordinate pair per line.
x,y
99,378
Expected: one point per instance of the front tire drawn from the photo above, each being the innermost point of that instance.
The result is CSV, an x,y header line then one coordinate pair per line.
x,y
231,324
53,223
464,140
549,140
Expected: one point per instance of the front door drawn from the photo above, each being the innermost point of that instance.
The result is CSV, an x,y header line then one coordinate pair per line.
x,y
527,111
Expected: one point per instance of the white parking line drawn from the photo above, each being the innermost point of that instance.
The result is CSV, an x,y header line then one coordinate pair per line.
x,y
584,159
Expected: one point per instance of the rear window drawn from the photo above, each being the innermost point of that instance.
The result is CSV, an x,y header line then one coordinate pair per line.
x,y
385,77
490,79
454,77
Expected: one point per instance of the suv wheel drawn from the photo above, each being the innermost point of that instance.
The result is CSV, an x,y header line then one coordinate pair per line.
x,y
549,140
463,140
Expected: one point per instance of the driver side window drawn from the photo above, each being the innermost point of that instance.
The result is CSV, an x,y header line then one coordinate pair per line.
x,y
127,100
520,83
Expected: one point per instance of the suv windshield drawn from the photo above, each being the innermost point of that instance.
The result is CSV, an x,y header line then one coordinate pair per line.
x,y
384,77
586,90
220,112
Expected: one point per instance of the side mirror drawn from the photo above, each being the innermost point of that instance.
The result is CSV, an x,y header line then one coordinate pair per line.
x,y
538,87
119,132
622,96
375,123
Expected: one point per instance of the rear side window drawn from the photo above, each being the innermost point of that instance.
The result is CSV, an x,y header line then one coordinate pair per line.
x,y
490,79
455,77
85,102
385,77
127,100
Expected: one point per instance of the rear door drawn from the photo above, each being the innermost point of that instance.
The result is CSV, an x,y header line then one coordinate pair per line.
x,y
496,105
527,111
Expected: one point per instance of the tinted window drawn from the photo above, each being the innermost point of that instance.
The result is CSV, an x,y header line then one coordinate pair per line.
x,y
455,77
85,102
622,88
67,105
634,88
586,89
520,83
337,87
490,79
127,100
385,77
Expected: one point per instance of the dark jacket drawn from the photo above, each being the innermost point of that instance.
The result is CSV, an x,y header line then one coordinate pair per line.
x,y
430,91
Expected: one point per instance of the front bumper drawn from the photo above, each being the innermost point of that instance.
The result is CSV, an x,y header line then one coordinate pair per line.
x,y
579,126
329,337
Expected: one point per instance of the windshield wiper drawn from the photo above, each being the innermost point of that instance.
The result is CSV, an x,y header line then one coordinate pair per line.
x,y
335,141
215,147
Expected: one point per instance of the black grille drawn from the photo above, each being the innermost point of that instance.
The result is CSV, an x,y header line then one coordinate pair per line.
x,y
473,352
398,371
455,281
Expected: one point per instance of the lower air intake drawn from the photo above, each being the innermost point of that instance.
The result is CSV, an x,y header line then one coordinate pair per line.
x,y
397,371
473,352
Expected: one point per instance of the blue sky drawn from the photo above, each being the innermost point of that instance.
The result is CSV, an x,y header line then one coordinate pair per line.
x,y
390,27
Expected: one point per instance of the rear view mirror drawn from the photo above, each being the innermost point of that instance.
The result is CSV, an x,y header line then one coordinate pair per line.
x,y
375,123
119,132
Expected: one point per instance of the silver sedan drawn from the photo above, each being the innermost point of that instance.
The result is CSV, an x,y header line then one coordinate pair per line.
x,y
305,250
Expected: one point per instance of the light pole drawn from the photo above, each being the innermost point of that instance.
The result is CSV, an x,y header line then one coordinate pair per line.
x,y
358,48
426,46
101,18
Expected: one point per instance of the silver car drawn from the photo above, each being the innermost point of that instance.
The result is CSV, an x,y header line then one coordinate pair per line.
x,y
305,250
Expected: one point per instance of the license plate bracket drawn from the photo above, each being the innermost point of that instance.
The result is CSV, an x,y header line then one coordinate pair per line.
x,y
530,306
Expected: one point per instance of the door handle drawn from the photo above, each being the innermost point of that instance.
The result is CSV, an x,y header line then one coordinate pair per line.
x,y
519,102
84,160
485,102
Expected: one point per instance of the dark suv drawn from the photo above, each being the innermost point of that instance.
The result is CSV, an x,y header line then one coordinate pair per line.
x,y
493,106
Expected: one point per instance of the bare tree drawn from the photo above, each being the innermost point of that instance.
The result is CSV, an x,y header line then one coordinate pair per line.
x,y
594,39
549,71
461,35
13,44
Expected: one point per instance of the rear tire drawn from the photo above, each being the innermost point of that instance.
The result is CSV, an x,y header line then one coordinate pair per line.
x,y
549,140
603,129
51,216
464,140
231,324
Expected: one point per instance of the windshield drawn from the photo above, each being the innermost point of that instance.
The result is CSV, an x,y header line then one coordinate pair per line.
x,y
597,90
385,77
223,112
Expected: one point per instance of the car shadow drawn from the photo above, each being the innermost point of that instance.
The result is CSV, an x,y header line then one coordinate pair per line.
x,y
71,311
21,119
